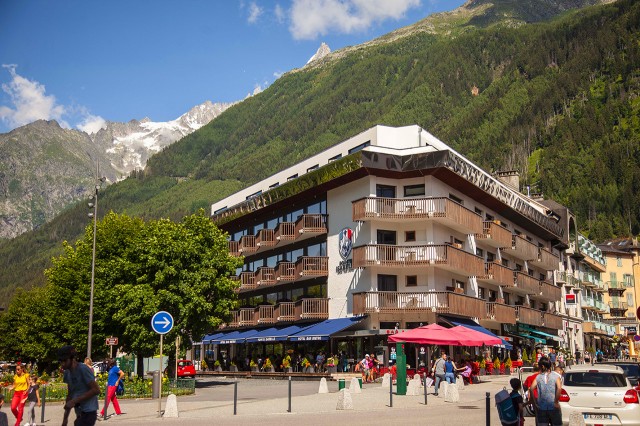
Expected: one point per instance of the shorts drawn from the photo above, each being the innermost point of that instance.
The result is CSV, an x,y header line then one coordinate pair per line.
x,y
545,417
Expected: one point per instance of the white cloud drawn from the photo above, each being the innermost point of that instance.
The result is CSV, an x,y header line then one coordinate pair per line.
x,y
313,18
280,14
277,74
254,13
92,123
30,102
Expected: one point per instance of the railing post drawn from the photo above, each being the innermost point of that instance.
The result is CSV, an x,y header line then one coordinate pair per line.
x,y
235,397
44,403
488,408
289,409
390,389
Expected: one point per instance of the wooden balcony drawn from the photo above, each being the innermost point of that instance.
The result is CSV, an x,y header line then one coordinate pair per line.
x,y
312,266
266,238
285,231
247,317
495,273
285,311
234,250
550,292
527,284
546,260
443,256
495,235
522,248
310,225
265,276
248,244
437,301
312,309
247,281
285,271
442,210
552,320
527,315
266,314
501,313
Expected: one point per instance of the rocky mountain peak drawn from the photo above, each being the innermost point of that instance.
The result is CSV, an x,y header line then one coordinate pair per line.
x,y
322,51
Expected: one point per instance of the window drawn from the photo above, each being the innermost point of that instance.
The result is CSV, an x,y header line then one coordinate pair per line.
x,y
458,284
387,282
479,252
481,292
595,379
292,177
312,168
630,300
489,217
359,147
275,185
385,191
220,210
410,235
334,158
507,298
490,256
456,199
412,280
518,267
414,190
619,260
478,211
492,296
386,237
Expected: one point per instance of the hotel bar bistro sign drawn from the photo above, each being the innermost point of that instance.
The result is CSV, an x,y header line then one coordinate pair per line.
x,y
345,245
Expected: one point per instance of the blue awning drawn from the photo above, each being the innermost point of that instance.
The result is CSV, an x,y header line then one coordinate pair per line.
x,y
237,338
324,330
540,333
469,323
275,334
223,336
209,337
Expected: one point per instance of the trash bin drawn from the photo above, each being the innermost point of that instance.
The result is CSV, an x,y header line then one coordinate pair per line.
x,y
340,384
360,382
156,384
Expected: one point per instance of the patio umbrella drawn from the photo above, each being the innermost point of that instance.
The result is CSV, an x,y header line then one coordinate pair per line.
x,y
473,337
432,334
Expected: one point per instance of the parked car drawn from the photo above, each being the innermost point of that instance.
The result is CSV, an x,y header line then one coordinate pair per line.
x,y
186,368
100,367
631,369
601,394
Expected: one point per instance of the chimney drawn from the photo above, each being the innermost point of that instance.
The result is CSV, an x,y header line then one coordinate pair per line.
x,y
511,178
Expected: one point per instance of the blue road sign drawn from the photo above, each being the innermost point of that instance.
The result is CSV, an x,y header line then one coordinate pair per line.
x,y
162,322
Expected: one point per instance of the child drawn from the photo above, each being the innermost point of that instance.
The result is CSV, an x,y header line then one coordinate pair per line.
x,y
516,398
4,421
33,398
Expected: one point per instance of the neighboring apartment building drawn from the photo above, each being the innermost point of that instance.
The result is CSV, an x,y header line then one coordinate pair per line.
x,y
389,230
622,297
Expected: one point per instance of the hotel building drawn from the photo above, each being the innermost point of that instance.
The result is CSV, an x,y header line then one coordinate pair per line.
x,y
389,230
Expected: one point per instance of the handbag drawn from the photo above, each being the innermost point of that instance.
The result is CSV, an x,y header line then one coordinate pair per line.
x,y
120,388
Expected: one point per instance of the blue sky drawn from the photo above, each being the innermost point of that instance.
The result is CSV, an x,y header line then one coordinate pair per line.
x,y
81,62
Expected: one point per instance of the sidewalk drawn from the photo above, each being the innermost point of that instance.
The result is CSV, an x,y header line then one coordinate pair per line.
x,y
266,402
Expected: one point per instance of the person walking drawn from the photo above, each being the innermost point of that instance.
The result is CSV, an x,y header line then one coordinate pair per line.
x,y
549,386
113,380
83,390
20,386
439,371
33,398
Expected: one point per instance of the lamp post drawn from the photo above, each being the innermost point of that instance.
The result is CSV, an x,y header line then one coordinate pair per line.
x,y
93,256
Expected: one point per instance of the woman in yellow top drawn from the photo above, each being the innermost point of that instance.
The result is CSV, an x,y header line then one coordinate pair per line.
x,y
20,387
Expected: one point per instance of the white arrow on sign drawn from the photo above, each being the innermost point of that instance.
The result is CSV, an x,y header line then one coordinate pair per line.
x,y
164,322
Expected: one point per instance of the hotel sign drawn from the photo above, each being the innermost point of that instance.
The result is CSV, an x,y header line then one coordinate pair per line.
x,y
345,245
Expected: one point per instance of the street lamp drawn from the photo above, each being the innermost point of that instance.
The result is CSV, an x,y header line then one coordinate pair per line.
x,y
93,255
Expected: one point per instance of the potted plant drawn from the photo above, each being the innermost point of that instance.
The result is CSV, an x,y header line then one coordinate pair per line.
x,y
203,365
525,357
483,367
307,366
286,364
508,364
496,366
233,367
268,366
216,366
253,365
331,365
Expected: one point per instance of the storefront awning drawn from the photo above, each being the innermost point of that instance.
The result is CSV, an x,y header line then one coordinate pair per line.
x,y
210,337
469,323
239,338
531,337
324,330
276,334
540,333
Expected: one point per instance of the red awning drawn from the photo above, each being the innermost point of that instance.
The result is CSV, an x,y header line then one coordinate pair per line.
x,y
433,334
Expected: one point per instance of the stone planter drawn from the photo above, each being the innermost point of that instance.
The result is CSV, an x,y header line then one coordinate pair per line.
x,y
233,369
288,370
483,371
218,369
269,370
254,369
332,369
309,369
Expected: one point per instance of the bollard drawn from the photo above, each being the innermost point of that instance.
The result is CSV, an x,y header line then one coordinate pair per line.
x,y
44,403
425,388
391,392
235,397
488,409
289,410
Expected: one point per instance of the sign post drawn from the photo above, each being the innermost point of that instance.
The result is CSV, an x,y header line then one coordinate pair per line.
x,y
111,342
161,323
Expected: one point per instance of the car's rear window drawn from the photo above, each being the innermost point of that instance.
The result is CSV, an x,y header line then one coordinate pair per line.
x,y
595,379
184,363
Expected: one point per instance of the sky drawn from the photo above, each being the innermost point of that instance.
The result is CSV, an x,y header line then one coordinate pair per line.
x,y
84,62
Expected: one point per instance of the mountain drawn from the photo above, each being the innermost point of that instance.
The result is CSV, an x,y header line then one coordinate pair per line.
x,y
556,100
322,51
45,168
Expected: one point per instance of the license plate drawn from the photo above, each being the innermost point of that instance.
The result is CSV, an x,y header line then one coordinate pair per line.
x,y
598,416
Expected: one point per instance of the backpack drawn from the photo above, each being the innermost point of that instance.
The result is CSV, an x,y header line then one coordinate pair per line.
x,y
506,411
120,388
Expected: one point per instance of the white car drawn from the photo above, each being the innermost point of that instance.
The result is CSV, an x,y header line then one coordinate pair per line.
x,y
600,394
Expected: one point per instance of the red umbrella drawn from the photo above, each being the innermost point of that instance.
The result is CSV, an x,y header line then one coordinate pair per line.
x,y
475,338
432,334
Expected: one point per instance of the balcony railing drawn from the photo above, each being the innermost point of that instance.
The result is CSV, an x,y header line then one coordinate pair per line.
x,y
442,210
495,235
266,314
495,273
550,291
265,276
552,320
441,256
247,281
527,284
616,304
522,248
285,311
285,271
437,301
527,315
311,224
266,238
502,313
285,231
234,250
546,260
248,244
312,309
312,266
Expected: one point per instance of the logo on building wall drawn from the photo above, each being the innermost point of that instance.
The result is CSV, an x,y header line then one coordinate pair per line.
x,y
345,242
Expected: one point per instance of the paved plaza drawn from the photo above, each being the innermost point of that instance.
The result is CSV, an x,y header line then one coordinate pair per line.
x,y
265,402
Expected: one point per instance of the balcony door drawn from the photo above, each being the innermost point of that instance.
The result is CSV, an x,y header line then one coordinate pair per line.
x,y
387,240
384,206
388,283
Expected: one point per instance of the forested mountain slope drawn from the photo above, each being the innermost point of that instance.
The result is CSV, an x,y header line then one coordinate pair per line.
x,y
556,100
